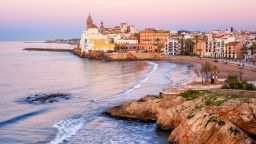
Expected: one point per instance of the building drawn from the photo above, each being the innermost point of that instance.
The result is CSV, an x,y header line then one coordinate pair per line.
x,y
233,50
200,42
122,28
126,40
248,43
153,40
215,45
89,23
93,40
173,45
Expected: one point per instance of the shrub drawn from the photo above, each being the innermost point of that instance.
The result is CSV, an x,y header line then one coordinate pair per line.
x,y
234,83
250,86
190,94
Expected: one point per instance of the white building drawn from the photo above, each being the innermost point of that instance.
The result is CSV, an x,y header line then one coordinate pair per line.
x,y
125,40
216,44
93,40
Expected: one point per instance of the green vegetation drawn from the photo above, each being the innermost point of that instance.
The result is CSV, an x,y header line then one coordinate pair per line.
x,y
190,94
234,83
253,49
210,99
215,120
187,47
136,35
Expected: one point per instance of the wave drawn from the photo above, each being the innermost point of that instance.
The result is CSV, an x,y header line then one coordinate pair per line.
x,y
69,126
21,117
66,129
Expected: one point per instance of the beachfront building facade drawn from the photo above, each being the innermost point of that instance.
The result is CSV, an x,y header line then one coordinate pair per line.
x,y
200,42
233,50
215,45
152,40
173,44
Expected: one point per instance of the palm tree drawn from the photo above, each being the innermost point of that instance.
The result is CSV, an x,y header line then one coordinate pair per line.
x,y
159,45
196,38
206,69
189,45
205,40
253,49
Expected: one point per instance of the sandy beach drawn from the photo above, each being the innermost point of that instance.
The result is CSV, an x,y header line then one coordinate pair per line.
x,y
224,69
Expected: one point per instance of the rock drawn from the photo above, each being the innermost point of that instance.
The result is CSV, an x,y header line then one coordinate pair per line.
x,y
143,109
209,128
42,98
209,120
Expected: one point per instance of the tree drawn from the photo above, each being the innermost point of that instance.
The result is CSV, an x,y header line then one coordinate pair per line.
x,y
159,45
189,45
136,35
182,46
253,49
206,69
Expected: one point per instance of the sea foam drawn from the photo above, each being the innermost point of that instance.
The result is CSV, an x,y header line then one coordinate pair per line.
x,y
69,126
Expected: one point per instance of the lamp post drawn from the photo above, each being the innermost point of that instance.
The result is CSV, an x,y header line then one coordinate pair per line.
x,y
241,72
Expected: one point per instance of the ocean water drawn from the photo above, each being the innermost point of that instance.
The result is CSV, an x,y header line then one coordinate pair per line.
x,y
94,86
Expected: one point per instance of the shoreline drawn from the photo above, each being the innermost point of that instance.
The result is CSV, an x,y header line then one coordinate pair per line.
x,y
224,69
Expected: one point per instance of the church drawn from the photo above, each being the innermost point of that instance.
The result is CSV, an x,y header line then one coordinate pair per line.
x,y
122,28
93,39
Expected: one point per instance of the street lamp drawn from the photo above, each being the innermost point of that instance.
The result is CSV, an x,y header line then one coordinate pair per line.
x,y
241,73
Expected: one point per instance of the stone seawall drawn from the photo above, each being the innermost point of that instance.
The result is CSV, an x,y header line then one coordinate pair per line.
x,y
118,56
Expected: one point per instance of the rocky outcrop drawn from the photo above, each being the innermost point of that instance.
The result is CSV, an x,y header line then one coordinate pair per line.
x,y
210,118
144,109
42,98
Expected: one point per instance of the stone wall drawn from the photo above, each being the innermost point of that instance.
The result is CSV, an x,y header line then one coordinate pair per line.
x,y
118,56
132,56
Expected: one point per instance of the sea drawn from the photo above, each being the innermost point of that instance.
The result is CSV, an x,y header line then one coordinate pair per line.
x,y
94,86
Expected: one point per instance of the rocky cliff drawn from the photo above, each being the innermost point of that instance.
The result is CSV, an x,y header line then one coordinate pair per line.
x,y
197,117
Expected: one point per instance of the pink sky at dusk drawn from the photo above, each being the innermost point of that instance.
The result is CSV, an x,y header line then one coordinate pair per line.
x,y
70,15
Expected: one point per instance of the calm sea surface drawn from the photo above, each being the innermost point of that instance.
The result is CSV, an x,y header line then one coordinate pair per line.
x,y
94,85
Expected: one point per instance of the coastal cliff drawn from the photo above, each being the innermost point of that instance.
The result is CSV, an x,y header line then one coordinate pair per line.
x,y
197,116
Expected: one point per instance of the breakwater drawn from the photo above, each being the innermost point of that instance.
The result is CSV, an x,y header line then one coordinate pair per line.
x,y
49,49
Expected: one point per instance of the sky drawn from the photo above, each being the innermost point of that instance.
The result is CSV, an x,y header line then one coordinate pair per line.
x,y
48,19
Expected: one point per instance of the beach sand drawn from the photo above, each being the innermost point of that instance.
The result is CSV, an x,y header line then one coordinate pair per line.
x,y
224,69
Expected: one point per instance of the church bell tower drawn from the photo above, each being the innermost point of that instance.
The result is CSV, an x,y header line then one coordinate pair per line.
x,y
89,22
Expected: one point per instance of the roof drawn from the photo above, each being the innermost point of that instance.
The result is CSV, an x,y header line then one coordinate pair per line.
x,y
232,44
93,26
